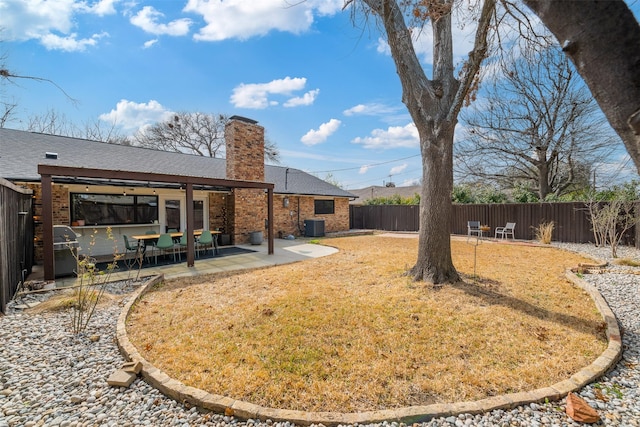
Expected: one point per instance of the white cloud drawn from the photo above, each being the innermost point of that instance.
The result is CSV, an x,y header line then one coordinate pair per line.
x,y
256,95
325,130
614,170
100,8
371,109
306,99
364,169
150,43
393,137
410,182
242,19
397,169
69,43
53,23
131,116
147,20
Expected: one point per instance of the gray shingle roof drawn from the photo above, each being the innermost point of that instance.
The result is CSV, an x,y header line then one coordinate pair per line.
x,y
21,152
375,191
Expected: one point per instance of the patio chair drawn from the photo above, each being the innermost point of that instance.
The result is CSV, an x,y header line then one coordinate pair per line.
x,y
182,244
148,242
165,244
506,231
131,248
473,227
205,240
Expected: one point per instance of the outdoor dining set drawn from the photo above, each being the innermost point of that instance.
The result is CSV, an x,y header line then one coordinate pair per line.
x,y
173,242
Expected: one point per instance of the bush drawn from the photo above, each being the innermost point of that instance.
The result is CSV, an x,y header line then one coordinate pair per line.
x,y
544,232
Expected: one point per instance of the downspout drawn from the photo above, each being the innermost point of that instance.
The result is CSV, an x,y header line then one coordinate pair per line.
x,y
299,229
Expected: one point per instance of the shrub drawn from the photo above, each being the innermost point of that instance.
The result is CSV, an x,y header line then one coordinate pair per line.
x,y
544,232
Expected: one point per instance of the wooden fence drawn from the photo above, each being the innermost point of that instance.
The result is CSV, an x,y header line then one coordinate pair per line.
x,y
16,238
571,219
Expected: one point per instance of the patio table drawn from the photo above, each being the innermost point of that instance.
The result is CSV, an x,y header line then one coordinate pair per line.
x,y
174,235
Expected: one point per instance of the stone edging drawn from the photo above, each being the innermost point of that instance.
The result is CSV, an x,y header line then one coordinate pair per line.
x,y
409,415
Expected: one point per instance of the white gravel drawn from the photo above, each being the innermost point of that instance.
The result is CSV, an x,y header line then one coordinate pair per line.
x,y
49,377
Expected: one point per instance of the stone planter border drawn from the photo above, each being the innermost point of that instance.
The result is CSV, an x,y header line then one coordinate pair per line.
x,y
408,415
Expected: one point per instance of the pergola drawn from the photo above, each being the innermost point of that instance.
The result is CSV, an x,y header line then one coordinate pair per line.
x,y
51,173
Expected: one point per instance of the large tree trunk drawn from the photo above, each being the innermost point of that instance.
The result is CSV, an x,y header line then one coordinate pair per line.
x,y
434,262
602,38
434,106
543,179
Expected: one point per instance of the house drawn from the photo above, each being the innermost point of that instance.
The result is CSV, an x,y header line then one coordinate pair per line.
x,y
95,186
388,191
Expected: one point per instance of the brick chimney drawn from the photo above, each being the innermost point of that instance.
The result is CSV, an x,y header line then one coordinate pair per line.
x,y
244,140
247,208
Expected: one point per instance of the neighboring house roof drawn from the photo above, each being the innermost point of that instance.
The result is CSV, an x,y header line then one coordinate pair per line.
x,y
21,152
375,191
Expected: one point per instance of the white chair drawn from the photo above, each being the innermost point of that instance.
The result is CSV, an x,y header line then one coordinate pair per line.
x,y
506,231
473,227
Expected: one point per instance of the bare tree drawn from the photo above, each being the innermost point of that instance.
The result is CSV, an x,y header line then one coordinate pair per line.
x,y
194,133
56,123
9,76
538,126
7,113
613,218
8,108
602,39
434,104
53,122
99,130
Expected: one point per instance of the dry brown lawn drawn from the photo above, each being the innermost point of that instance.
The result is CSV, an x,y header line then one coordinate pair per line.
x,y
350,332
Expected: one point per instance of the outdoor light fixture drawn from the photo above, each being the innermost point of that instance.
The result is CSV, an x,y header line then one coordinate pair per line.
x,y
86,188
285,202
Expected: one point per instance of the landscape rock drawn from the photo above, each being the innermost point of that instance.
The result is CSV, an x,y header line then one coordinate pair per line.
x,y
579,410
40,359
133,367
121,378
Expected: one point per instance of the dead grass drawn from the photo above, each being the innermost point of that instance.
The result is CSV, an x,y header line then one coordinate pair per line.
x,y
67,299
350,332
629,262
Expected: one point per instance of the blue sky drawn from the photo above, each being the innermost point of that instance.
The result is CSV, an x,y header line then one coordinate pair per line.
x,y
324,89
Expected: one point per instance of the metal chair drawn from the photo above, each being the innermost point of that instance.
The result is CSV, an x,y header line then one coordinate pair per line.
x,y
129,248
473,227
507,230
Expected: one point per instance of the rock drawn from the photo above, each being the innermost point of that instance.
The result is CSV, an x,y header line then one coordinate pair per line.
x,y
133,367
120,378
579,410
95,338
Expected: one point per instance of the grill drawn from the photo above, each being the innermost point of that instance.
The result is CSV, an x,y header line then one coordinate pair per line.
x,y
65,249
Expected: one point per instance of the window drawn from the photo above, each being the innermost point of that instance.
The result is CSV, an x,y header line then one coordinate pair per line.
x,y
324,207
111,209
198,214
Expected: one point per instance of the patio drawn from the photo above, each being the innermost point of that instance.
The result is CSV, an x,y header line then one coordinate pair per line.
x,y
253,256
